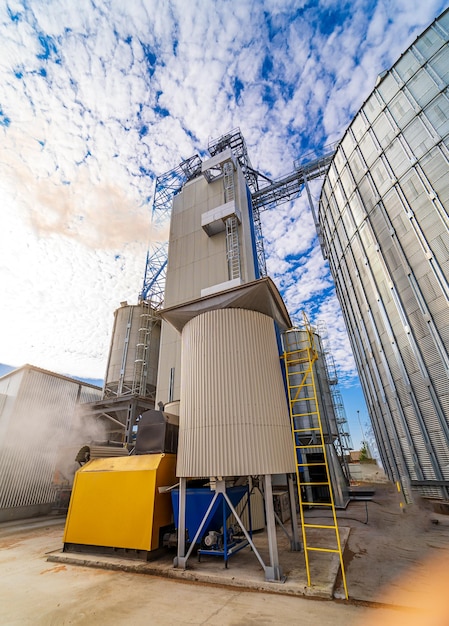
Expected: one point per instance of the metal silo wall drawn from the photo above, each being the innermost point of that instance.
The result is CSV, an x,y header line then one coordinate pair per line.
x,y
234,417
297,339
384,218
128,336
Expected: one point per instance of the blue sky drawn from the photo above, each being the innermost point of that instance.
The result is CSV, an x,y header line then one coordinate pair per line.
x,y
98,98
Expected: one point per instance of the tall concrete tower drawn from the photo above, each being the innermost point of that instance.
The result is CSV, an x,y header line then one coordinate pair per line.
x,y
384,223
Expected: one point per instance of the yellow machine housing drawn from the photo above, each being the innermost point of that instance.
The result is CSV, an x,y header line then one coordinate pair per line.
x,y
116,503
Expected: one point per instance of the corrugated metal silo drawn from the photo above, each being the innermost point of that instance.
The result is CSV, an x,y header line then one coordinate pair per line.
x,y
234,417
134,352
296,339
385,228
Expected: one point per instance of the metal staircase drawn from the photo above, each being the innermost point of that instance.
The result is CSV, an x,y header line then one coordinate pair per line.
x,y
309,441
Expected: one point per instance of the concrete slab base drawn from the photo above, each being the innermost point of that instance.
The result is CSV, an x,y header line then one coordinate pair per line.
x,y
243,571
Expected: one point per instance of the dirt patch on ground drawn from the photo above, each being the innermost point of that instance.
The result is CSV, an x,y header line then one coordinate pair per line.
x,y
54,570
389,544
6,544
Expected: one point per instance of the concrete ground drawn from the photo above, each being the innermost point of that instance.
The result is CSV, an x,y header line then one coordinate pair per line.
x,y
396,568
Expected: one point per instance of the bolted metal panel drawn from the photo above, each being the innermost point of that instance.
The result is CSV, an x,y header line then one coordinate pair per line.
x,y
234,417
392,270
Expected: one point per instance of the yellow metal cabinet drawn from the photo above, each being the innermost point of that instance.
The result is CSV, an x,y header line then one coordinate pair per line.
x,y
116,502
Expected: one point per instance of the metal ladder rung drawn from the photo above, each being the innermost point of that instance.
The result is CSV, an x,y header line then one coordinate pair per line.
x,y
333,527
298,360
311,464
310,484
300,386
323,549
305,430
318,504
310,446
299,372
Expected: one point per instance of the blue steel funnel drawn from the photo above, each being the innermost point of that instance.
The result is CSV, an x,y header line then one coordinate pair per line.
x,y
198,500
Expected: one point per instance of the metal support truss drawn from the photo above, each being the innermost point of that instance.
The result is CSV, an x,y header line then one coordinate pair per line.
x,y
235,140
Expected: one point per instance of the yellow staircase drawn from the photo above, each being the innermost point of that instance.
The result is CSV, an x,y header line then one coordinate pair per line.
x,y
312,469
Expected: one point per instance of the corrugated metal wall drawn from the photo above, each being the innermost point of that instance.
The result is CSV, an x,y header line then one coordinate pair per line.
x,y
197,261
134,352
38,418
234,417
384,213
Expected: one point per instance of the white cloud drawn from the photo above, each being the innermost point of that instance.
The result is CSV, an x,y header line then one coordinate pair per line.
x,y
99,98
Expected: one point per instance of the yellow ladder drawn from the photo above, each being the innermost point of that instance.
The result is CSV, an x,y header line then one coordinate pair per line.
x,y
300,355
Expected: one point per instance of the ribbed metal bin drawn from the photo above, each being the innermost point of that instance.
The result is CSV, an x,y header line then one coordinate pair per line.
x,y
234,417
384,221
134,352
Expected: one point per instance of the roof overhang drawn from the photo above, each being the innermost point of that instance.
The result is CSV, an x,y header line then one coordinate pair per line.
x,y
260,295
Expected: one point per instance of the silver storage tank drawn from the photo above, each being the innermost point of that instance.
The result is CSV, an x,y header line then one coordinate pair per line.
x,y
384,219
234,418
134,352
297,338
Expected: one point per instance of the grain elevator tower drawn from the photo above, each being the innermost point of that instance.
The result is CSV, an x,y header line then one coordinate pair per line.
x,y
219,352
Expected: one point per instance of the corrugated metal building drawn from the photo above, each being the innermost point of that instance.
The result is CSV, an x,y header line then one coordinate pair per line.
x,y
38,418
384,217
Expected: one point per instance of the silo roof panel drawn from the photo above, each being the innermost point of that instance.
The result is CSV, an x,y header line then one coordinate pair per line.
x,y
259,295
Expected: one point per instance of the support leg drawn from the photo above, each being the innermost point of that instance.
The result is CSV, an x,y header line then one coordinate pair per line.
x,y
273,572
295,542
180,560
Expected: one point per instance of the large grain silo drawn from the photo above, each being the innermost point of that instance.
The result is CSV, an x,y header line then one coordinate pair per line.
x,y
234,418
134,352
385,226
131,373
